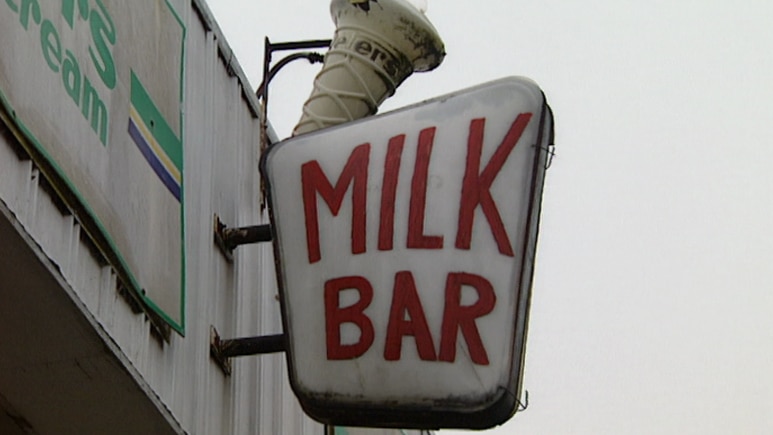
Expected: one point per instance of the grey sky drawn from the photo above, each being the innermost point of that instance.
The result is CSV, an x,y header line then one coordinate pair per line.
x,y
653,300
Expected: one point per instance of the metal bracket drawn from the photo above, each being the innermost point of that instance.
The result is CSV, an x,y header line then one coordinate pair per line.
x,y
222,350
228,239
269,73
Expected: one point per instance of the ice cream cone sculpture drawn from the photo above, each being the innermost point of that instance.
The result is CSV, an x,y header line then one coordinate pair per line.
x,y
377,45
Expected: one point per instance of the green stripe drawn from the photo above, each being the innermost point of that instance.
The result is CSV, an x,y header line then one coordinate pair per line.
x,y
156,123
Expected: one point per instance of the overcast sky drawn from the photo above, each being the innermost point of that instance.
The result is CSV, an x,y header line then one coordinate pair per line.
x,y
652,306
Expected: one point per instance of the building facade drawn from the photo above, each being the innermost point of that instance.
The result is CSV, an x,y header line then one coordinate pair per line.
x,y
128,131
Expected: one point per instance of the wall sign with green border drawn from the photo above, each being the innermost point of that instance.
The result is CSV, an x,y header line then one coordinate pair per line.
x,y
96,88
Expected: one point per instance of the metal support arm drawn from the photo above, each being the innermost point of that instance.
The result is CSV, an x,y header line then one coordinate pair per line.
x,y
222,350
252,345
228,239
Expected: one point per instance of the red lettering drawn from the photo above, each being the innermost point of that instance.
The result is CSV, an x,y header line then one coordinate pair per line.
x,y
456,316
386,228
335,316
476,184
416,237
406,300
314,181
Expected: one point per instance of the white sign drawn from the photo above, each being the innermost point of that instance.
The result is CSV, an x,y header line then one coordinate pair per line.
x,y
405,247
96,86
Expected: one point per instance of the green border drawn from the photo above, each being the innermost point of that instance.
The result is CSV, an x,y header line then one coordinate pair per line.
x,y
115,254
183,265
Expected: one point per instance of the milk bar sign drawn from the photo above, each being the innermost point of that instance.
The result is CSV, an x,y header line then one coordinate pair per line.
x,y
405,248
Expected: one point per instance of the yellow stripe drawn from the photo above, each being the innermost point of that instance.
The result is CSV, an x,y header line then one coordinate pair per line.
x,y
170,167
